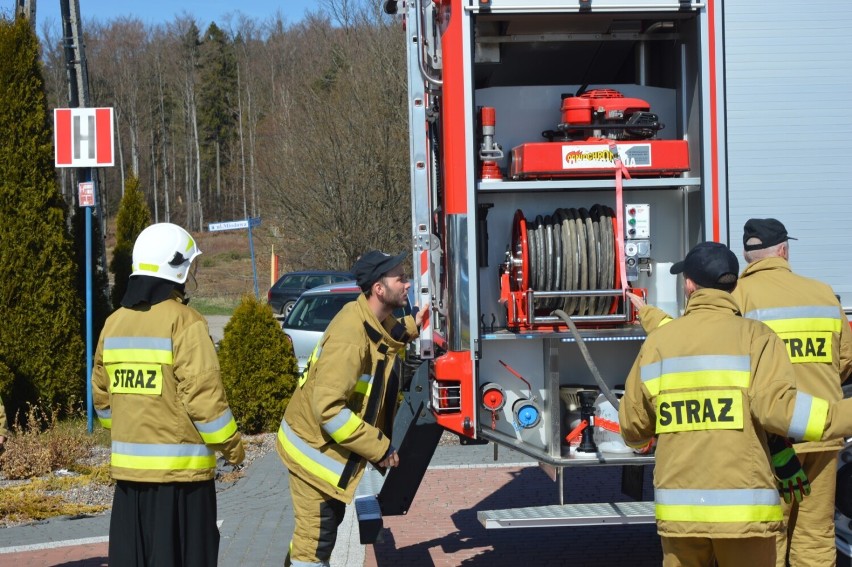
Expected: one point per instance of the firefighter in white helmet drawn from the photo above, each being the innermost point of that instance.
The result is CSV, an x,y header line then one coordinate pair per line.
x,y
156,385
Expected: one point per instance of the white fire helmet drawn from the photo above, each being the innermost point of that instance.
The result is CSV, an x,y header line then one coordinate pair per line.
x,y
165,251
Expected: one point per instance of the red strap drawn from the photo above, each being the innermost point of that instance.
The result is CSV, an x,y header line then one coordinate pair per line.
x,y
620,171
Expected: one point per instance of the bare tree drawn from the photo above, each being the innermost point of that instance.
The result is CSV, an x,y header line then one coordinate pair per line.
x,y
317,142
344,186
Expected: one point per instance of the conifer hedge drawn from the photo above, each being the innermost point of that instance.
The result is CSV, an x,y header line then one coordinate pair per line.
x,y
259,370
40,339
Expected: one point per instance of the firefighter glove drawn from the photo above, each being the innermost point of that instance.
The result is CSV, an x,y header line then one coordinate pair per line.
x,y
792,481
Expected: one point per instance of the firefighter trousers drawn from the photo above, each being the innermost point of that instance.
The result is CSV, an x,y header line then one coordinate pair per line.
x,y
810,523
317,518
721,552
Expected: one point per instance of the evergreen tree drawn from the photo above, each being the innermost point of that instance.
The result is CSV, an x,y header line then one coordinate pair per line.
x,y
258,367
40,341
133,216
217,109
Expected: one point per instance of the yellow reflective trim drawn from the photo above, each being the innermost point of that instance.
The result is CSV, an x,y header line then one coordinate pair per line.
x,y
699,411
665,321
303,377
344,431
135,378
719,514
698,379
163,463
816,420
156,356
149,267
798,325
653,386
362,387
705,379
219,436
306,462
106,423
815,346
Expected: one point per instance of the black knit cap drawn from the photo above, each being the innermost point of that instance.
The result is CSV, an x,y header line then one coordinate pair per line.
x,y
769,231
372,265
710,264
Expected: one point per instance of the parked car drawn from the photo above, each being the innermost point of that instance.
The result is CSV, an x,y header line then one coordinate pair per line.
x,y
315,309
284,293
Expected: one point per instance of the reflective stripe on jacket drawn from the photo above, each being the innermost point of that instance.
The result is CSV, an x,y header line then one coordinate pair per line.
x,y
807,316
708,385
341,415
156,385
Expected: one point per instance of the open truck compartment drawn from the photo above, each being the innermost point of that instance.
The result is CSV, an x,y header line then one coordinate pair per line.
x,y
564,152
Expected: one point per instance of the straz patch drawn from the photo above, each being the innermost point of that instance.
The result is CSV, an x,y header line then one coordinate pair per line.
x,y
807,347
697,411
136,378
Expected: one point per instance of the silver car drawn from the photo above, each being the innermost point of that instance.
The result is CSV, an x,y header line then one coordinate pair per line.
x,y
315,309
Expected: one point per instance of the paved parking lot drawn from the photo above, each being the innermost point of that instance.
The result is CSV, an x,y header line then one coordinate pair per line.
x,y
442,529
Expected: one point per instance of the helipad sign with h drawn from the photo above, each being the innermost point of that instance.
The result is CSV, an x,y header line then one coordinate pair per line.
x,y
83,137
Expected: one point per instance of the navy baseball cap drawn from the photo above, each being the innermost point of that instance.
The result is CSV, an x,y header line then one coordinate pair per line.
x,y
710,264
769,231
372,265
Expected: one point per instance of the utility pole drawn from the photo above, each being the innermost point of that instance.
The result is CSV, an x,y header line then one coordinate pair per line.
x,y
26,9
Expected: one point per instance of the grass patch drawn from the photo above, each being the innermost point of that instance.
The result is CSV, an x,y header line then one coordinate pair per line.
x,y
36,450
208,261
214,305
32,502
45,443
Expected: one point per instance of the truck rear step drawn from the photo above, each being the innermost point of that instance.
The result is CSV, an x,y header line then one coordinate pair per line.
x,y
618,513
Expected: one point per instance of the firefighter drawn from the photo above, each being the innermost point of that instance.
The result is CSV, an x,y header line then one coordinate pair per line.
x,y
809,319
156,385
4,427
711,385
341,415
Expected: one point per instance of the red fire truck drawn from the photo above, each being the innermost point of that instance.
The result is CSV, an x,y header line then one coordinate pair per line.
x,y
564,152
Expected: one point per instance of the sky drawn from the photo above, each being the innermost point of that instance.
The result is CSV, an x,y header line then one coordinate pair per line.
x,y
161,11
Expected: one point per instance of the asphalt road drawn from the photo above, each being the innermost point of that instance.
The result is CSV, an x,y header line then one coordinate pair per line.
x,y
217,323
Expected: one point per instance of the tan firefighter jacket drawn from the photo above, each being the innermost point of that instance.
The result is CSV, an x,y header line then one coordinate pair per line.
x,y
156,384
4,426
808,318
710,385
341,415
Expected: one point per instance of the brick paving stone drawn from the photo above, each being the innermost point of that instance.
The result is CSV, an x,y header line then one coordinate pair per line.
x,y
90,555
441,528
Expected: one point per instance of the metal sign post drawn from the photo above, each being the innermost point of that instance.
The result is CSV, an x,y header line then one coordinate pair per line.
x,y
83,139
248,223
